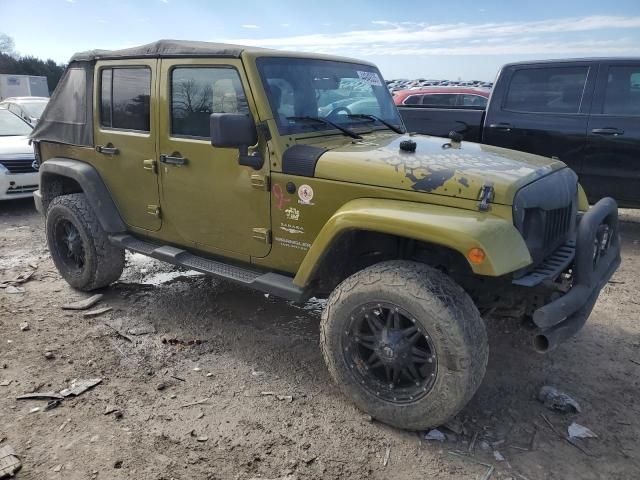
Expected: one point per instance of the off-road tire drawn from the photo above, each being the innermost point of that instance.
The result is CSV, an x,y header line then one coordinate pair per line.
x,y
103,262
442,308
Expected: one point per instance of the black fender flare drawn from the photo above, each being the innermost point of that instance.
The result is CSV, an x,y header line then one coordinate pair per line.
x,y
91,184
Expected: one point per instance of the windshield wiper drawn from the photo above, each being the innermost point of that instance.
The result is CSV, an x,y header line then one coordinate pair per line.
x,y
374,118
344,130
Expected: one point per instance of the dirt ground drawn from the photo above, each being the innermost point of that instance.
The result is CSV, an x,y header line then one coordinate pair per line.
x,y
190,397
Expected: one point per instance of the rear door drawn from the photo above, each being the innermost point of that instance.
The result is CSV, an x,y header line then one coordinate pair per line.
x,y
207,197
542,109
125,138
612,160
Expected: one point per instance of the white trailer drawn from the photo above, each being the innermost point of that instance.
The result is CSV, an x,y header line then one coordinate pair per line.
x,y
23,86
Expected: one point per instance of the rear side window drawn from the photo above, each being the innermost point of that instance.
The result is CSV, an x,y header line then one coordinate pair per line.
x,y
198,92
622,93
547,90
412,100
125,98
440,100
474,101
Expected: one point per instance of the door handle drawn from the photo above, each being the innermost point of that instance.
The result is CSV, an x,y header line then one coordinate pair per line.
x,y
501,126
173,159
107,149
608,131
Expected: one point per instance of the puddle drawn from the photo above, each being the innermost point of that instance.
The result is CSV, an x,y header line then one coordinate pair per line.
x,y
145,270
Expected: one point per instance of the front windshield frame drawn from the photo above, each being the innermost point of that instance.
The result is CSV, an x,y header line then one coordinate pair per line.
x,y
13,126
302,78
34,108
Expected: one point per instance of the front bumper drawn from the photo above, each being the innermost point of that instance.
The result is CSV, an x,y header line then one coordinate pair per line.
x,y
18,185
597,257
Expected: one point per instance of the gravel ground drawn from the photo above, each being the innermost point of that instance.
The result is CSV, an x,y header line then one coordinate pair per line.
x,y
231,384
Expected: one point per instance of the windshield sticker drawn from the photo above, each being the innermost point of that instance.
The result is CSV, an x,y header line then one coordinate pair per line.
x,y
305,193
371,78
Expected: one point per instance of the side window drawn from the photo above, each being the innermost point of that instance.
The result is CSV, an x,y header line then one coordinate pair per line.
x,y
440,100
546,90
412,100
124,98
197,92
622,93
473,101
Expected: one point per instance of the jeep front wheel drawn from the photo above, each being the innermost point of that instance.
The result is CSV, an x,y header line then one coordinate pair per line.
x,y
79,246
405,343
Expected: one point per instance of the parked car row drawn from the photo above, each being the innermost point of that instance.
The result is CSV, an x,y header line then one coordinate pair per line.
x,y
403,84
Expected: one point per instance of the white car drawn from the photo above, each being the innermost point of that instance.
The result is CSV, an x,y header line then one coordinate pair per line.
x,y
18,169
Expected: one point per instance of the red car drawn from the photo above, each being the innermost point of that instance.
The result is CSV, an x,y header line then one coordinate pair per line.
x,y
443,97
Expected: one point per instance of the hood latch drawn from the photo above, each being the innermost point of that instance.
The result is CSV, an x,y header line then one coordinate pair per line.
x,y
486,195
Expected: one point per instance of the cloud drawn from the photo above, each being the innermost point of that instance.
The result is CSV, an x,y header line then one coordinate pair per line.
x,y
249,25
284,25
412,38
165,1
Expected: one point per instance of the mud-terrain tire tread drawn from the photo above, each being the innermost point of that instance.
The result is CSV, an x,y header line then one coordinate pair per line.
x,y
105,261
460,369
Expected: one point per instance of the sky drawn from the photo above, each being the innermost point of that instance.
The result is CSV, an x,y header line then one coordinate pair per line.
x,y
462,39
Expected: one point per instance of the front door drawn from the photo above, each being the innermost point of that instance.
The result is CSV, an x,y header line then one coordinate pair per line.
x,y
125,138
612,160
207,197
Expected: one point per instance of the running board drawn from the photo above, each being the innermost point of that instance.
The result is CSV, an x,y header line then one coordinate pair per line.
x,y
272,283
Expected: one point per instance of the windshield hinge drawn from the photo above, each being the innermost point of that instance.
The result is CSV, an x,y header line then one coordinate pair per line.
x,y
486,195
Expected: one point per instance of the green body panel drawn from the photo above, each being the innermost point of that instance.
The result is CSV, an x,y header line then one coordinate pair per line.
x,y
216,206
460,230
211,202
455,172
134,189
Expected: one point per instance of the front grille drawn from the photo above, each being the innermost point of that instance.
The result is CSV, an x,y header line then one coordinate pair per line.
x,y
24,189
556,226
22,165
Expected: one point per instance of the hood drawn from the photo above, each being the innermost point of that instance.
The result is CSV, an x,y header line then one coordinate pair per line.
x,y
15,145
434,167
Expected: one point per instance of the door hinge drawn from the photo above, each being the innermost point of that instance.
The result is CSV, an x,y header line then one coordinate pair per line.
x,y
153,210
262,234
260,182
150,165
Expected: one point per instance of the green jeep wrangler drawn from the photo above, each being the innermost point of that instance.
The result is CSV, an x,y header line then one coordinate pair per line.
x,y
292,174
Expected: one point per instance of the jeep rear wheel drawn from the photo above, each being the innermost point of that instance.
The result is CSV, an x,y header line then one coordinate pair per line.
x,y
405,343
79,246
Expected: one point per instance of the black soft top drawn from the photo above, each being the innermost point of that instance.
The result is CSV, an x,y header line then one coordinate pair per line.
x,y
166,48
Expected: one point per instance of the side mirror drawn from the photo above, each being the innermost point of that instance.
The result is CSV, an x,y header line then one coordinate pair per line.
x,y
236,130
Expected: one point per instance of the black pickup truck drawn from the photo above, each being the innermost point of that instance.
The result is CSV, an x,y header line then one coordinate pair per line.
x,y
585,112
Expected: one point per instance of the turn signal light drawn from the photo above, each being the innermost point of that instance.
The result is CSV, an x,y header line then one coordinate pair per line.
x,y
476,255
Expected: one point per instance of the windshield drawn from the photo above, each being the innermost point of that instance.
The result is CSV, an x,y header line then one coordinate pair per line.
x,y
11,125
325,89
34,109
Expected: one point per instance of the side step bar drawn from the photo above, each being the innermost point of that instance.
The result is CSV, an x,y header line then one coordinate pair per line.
x,y
272,283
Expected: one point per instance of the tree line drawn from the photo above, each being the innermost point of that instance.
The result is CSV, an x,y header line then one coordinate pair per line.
x,y
12,63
